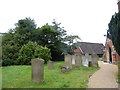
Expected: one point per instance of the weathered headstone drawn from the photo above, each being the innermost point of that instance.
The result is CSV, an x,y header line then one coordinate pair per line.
x,y
94,60
78,60
37,70
85,60
50,65
73,59
68,60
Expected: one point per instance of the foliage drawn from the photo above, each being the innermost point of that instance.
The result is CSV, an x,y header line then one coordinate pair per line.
x,y
52,39
49,36
70,40
8,62
42,52
25,31
56,27
114,31
33,50
20,77
15,38
9,47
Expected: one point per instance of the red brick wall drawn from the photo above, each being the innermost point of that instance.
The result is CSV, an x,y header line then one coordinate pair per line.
x,y
115,57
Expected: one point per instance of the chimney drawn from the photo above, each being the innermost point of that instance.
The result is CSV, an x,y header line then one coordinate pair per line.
x,y
118,5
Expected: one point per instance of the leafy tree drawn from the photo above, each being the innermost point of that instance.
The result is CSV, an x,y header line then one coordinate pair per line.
x,y
58,51
56,27
9,47
13,40
114,31
71,41
25,31
33,50
49,37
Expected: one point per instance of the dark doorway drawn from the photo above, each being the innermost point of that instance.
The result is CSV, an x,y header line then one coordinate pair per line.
x,y
110,55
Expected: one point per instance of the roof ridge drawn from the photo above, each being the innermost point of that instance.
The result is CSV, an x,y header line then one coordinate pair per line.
x,y
90,42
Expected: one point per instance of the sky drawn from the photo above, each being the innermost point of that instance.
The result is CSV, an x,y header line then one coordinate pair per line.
x,y
86,18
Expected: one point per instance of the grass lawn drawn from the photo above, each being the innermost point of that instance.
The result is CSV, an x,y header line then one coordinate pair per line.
x,y
20,77
0,78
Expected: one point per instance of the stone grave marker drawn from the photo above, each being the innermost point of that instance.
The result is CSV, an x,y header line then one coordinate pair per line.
x,y
37,70
94,60
68,61
78,60
85,60
50,64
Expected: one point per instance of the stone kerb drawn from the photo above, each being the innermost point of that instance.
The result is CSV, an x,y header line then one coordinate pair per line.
x,y
37,70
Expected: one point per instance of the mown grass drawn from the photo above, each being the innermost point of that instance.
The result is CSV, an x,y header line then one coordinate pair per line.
x,y
0,78
20,77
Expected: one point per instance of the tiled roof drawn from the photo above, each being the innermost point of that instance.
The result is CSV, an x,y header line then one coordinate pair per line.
x,y
91,48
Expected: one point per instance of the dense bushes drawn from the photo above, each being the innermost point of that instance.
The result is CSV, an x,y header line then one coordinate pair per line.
x,y
33,50
8,62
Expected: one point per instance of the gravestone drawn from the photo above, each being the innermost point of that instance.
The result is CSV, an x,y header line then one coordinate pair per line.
x,y
94,60
37,70
50,64
73,59
85,60
68,61
78,60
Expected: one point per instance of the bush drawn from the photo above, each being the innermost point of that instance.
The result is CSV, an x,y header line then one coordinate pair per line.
x,y
33,50
8,62
42,52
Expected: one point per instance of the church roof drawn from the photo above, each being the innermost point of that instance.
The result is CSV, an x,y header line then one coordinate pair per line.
x,y
90,48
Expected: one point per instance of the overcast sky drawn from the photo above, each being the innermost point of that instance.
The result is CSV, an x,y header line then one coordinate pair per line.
x,y
86,18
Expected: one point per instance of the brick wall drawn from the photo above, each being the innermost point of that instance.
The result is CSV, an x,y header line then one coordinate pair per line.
x,y
115,56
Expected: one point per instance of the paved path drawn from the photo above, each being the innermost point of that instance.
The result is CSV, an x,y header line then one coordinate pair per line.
x,y
105,77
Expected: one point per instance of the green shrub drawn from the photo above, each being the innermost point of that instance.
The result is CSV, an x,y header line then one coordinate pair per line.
x,y
42,52
8,62
33,50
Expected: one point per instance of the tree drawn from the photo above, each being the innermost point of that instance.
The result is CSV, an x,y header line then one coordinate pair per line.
x,y
114,31
56,27
15,38
25,31
9,46
71,41
59,46
49,37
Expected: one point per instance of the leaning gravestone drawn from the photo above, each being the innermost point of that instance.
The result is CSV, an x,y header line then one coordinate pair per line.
x,y
50,65
94,60
68,61
37,70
